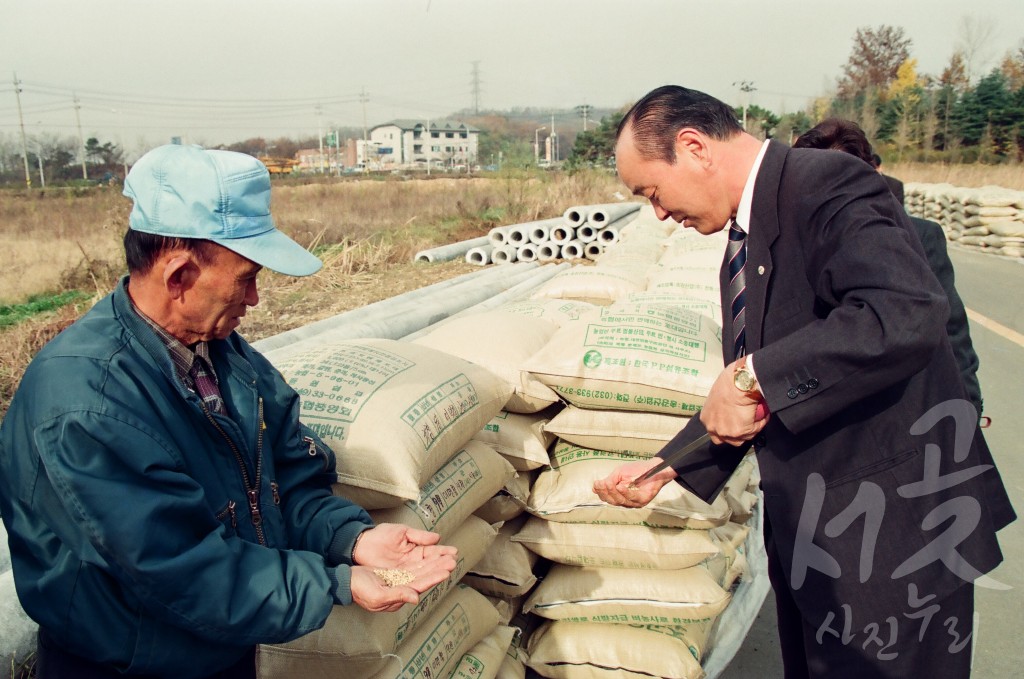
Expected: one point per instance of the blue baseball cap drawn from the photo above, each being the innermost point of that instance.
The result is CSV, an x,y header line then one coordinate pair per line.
x,y
220,196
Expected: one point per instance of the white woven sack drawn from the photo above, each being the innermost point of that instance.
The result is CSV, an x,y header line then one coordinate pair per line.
x,y
520,438
484,660
993,196
458,489
635,547
617,431
622,595
1013,229
510,501
642,357
433,650
565,493
502,343
353,641
506,570
712,310
558,311
567,650
393,412
989,211
597,285
514,664
697,284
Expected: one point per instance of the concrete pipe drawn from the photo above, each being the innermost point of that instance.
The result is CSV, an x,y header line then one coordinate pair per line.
x,y
445,253
527,253
480,256
575,216
562,234
600,216
540,234
572,250
499,234
586,234
401,320
548,251
409,299
518,291
506,254
593,250
519,235
608,235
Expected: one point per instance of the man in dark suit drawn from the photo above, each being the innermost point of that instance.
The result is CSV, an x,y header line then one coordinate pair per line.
x,y
839,331
847,136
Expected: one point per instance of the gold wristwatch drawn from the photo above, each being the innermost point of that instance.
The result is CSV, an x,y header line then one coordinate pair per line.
x,y
744,380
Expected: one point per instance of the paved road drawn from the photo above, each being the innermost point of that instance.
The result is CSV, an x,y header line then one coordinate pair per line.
x,y
993,291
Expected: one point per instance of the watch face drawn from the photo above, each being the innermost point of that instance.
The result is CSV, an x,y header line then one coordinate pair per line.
x,y
744,380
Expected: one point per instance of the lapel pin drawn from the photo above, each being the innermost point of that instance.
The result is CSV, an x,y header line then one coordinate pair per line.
x,y
760,271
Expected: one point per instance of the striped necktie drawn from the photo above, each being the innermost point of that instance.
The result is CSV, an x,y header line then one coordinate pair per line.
x,y
736,253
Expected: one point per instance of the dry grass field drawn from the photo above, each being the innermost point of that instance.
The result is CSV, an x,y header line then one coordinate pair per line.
x,y
366,232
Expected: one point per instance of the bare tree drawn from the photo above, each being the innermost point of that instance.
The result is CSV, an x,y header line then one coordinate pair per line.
x,y
974,41
875,58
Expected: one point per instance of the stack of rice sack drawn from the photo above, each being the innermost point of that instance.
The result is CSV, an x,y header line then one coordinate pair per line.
x,y
989,218
401,418
633,590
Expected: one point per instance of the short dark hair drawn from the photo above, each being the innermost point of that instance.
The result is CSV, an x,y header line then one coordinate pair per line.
x,y
664,111
840,135
141,249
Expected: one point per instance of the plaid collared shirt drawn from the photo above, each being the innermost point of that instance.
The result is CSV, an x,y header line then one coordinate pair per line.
x,y
194,368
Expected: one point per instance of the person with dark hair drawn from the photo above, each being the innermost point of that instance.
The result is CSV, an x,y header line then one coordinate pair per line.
x,y
166,509
848,137
840,377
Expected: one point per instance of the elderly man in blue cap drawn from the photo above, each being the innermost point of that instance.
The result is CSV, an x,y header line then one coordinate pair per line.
x,y
166,509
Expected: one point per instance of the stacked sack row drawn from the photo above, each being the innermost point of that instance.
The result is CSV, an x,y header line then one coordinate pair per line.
x,y
990,218
464,430
581,232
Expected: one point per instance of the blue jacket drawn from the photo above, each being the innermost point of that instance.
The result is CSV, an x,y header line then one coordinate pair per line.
x,y
150,534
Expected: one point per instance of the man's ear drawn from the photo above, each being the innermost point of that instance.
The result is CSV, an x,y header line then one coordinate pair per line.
x,y
692,144
179,273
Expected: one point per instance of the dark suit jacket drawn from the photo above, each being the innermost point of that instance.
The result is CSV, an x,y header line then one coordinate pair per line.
x,y
933,239
846,325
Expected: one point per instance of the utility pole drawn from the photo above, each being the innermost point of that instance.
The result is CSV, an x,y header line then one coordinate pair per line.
x,y
320,134
746,87
364,97
21,121
81,139
584,110
476,87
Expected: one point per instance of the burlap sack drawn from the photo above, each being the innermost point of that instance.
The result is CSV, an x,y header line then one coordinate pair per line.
x,y
510,501
354,642
393,412
433,650
565,493
506,570
635,547
696,284
568,650
457,490
513,666
558,311
642,357
712,310
502,343
617,431
593,284
521,439
484,660
622,595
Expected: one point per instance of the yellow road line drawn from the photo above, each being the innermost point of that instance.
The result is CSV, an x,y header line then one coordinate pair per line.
x,y
996,327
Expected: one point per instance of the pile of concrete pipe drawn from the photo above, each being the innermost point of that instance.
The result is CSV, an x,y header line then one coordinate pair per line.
x,y
581,232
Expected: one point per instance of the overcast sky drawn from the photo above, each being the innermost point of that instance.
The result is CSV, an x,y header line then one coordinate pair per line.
x,y
216,71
